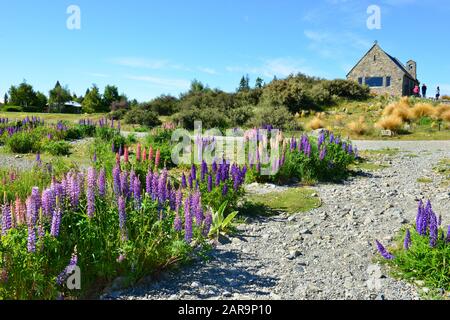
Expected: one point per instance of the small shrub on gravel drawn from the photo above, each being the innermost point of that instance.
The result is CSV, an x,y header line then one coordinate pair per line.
x,y
422,253
58,148
24,142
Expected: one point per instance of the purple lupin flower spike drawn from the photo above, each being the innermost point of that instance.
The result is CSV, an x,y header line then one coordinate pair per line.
x,y
323,153
90,192
116,180
6,219
190,182
183,181
56,221
225,190
132,178
210,182
448,235
434,231
148,182
419,218
384,253
187,221
207,224
102,183
197,208
218,179
137,192
194,172
124,185
177,224
122,213
155,183
407,242
178,200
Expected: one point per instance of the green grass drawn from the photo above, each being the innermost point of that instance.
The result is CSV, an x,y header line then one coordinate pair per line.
x,y
292,201
386,151
55,117
369,166
424,180
443,168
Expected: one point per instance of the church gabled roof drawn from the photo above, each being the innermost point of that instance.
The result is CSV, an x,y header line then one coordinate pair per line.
x,y
394,60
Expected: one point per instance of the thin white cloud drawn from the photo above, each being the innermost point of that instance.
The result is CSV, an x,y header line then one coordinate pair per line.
x,y
135,62
98,75
207,70
280,67
333,45
162,82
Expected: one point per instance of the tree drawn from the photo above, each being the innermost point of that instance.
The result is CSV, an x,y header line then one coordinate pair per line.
x,y
5,99
110,95
93,101
23,96
58,96
41,101
259,83
164,105
244,84
197,86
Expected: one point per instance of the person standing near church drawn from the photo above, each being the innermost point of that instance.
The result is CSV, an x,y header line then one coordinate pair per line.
x,y
424,90
416,91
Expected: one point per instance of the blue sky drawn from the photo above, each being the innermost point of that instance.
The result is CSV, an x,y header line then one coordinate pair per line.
x,y
151,47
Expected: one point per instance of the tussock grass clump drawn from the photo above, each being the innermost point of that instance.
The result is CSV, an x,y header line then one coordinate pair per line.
x,y
393,123
446,116
358,127
398,109
421,110
316,123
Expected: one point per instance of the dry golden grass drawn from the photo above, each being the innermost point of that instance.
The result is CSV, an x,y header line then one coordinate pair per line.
x,y
358,127
445,116
441,109
421,110
339,120
316,123
392,122
400,109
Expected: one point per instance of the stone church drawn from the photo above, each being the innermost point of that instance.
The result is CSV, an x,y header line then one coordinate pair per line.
x,y
385,74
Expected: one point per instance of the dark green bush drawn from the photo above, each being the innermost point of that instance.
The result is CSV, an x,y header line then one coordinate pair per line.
x,y
210,118
142,117
117,114
242,115
278,117
12,108
58,148
24,142
347,89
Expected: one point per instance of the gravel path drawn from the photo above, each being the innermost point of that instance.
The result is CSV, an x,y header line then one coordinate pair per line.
x,y
326,253
19,163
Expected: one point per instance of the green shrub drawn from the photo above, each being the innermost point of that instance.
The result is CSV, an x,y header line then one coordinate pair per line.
x,y
348,89
142,117
24,142
58,148
73,133
117,114
8,108
241,116
278,117
210,118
